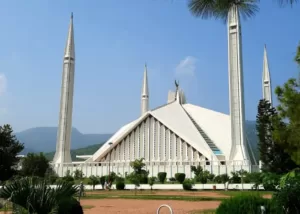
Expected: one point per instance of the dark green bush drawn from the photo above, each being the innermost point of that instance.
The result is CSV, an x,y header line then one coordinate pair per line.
x,y
143,179
120,185
162,177
187,184
180,177
245,203
102,181
270,181
287,199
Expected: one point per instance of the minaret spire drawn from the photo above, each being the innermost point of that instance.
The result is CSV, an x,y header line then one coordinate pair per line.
x,y
145,93
63,144
266,78
239,150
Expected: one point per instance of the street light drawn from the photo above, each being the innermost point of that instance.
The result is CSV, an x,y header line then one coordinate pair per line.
x,y
110,143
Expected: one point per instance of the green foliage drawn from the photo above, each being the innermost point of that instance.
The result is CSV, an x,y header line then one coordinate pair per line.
x,y
197,170
235,178
162,177
139,174
35,165
37,197
78,174
111,177
51,176
151,181
120,184
202,176
9,148
102,181
180,177
270,181
187,184
297,57
287,200
290,175
219,9
287,127
94,180
272,154
254,177
244,203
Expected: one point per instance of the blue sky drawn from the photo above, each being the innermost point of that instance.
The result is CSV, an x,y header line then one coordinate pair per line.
x,y
113,40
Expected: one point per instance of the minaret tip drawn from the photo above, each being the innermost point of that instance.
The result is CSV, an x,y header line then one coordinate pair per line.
x,y
71,15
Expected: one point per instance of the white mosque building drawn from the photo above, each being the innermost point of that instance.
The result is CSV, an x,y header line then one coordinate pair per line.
x,y
173,137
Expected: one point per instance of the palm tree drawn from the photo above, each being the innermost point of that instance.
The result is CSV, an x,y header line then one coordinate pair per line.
x,y
35,196
219,9
284,2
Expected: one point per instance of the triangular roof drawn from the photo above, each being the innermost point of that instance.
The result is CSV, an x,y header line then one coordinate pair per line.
x,y
174,117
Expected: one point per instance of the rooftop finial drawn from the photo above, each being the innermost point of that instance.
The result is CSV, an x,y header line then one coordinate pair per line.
x,y
71,15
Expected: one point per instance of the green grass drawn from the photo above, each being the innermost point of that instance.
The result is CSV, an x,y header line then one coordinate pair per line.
x,y
245,192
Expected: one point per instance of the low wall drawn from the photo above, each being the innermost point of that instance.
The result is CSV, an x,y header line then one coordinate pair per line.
x,y
178,187
89,169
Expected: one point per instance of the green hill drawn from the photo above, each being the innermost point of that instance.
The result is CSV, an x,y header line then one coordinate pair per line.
x,y
43,139
89,150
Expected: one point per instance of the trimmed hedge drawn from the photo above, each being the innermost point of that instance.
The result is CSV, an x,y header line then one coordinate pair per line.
x,y
180,177
162,177
120,185
187,184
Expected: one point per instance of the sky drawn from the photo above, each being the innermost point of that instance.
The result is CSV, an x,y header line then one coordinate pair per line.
x,y
113,41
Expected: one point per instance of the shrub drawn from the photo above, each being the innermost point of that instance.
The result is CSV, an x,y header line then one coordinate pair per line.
x,y
172,180
78,174
270,181
120,185
151,181
162,177
244,203
287,199
187,184
102,181
180,177
143,179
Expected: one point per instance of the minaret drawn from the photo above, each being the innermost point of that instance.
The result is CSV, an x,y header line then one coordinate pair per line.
x,y
145,93
266,79
239,150
63,143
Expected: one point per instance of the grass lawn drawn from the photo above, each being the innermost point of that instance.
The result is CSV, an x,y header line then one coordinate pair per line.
x,y
246,192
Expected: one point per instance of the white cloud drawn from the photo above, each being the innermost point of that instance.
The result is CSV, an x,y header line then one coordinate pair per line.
x,y
3,84
186,67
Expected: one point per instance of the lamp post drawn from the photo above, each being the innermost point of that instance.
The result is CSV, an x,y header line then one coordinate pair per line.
x,y
110,143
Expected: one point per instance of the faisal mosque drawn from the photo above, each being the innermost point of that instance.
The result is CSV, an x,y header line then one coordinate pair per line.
x,y
173,137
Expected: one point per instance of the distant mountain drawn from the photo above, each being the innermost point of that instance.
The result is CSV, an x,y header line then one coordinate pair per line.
x,y
43,139
89,150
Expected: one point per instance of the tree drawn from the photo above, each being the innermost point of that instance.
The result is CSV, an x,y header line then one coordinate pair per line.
x,y
287,129
78,174
94,180
35,165
219,8
272,155
10,147
35,196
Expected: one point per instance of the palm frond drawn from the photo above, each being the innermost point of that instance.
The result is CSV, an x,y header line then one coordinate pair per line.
x,y
285,2
219,9
37,197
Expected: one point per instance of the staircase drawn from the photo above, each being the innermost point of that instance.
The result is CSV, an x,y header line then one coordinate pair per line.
x,y
210,143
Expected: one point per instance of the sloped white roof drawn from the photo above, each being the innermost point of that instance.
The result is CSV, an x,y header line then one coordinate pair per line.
x,y
215,124
175,118
123,130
